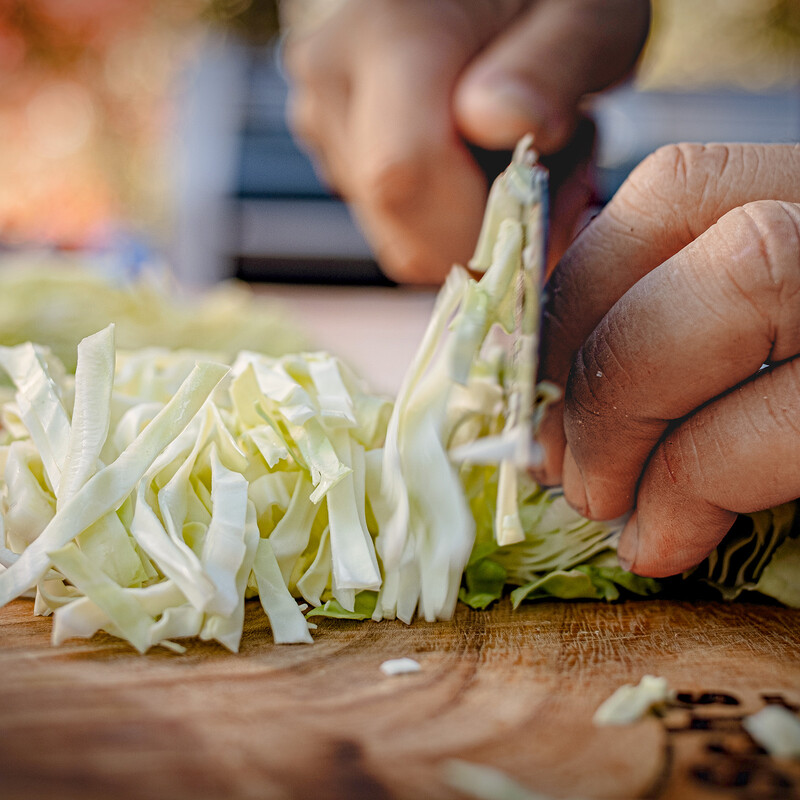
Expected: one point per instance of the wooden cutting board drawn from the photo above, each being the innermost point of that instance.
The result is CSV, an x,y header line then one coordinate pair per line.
x,y
510,689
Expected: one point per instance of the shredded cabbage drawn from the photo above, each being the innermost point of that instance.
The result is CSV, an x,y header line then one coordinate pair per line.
x,y
631,703
151,492
59,299
400,666
776,729
487,783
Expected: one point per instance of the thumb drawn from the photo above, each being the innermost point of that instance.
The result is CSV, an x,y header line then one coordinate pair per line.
x,y
533,75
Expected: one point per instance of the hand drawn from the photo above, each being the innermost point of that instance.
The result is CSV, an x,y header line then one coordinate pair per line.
x,y
385,94
659,319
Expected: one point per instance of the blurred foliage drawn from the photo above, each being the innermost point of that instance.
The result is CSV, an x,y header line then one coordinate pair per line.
x,y
745,44
84,105
87,94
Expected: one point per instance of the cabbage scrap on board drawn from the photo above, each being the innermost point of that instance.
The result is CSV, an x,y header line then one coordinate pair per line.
x,y
151,492
632,702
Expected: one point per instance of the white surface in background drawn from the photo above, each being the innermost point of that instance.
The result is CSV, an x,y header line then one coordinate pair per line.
x,y
632,124
374,330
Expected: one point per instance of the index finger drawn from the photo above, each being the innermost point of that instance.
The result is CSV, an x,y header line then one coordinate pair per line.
x,y
390,141
412,181
668,201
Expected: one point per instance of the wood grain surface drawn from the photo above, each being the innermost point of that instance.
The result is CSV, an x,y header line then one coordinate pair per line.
x,y
510,689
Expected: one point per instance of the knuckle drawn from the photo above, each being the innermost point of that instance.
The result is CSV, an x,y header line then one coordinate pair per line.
x,y
777,227
668,165
768,233
779,392
679,174
655,188
677,459
685,165
609,423
793,377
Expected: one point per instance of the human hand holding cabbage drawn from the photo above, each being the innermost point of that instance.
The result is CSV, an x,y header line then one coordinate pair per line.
x,y
691,311
658,321
159,527
386,94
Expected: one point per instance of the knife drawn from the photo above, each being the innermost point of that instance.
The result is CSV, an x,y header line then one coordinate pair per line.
x,y
520,192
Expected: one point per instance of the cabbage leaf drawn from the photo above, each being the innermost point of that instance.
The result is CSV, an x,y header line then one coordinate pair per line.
x,y
152,492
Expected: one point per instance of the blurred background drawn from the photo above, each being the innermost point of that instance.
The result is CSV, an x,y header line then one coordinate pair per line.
x,y
153,130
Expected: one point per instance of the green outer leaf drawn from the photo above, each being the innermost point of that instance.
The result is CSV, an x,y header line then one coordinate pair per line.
x,y
781,576
587,581
485,580
609,579
565,584
363,608
738,562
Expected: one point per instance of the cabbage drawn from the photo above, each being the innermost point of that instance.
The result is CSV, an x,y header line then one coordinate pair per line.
x,y
486,783
631,703
776,729
57,300
141,473
400,666
761,553
152,492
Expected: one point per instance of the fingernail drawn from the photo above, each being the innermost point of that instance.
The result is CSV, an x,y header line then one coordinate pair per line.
x,y
628,546
514,96
574,488
514,108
